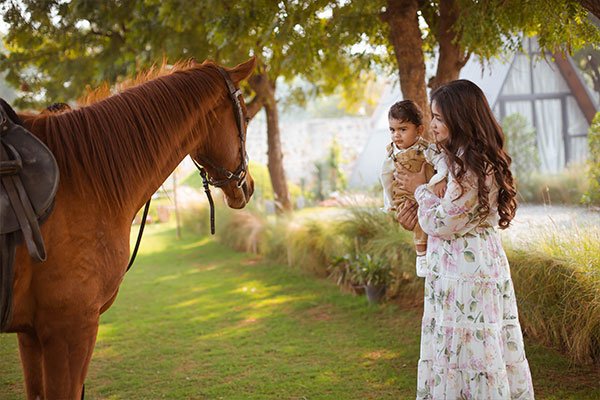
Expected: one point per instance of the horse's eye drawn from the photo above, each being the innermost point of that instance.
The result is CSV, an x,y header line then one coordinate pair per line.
x,y
247,120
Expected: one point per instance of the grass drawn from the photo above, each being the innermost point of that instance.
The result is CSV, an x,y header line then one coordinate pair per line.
x,y
556,272
194,320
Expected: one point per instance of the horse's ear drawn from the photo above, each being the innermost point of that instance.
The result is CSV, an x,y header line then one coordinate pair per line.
x,y
243,70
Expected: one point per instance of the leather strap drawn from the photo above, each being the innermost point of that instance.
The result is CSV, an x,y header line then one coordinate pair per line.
x,y
23,209
7,257
140,233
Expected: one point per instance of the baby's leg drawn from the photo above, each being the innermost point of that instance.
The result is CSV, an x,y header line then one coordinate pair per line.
x,y
420,239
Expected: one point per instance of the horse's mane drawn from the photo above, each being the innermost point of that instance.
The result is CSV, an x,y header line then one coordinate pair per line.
x,y
104,90
119,141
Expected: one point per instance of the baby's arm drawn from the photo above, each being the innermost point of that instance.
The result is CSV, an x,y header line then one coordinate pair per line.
x,y
437,183
386,177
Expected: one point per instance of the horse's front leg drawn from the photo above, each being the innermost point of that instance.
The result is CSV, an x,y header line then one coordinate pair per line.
x,y
67,346
31,359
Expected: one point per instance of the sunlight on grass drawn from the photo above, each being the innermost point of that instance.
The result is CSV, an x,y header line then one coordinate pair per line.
x,y
195,244
167,278
382,354
187,303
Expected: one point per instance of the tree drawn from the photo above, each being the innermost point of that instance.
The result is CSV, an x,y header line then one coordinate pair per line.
x,y
291,39
456,30
57,48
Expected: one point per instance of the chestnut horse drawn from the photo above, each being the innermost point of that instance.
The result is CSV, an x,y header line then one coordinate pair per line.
x,y
113,155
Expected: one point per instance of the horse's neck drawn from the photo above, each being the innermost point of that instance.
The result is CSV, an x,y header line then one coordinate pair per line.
x,y
152,158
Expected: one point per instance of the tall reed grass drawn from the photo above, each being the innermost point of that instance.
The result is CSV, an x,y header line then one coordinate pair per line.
x,y
557,280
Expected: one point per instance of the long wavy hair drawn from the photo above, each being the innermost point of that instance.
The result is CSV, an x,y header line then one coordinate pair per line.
x,y
476,144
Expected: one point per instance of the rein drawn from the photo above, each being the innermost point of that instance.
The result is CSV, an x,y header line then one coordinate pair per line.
x,y
140,233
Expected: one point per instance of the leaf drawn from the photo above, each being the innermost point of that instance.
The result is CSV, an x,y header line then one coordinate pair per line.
x,y
469,256
479,334
473,306
460,306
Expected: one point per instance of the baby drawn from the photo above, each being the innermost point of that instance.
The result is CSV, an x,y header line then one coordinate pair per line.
x,y
408,150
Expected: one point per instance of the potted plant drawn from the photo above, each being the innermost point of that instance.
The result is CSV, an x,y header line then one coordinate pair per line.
x,y
343,271
374,273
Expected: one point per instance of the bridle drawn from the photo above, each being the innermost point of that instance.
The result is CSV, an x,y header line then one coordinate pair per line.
x,y
238,175
241,171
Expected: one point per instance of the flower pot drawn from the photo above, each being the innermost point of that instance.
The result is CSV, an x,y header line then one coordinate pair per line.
x,y
375,293
358,290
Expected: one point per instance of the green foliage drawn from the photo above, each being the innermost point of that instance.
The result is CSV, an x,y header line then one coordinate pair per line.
x,y
490,28
588,61
56,49
364,269
592,196
329,176
521,144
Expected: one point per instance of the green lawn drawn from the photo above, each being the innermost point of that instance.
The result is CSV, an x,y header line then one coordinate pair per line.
x,y
194,320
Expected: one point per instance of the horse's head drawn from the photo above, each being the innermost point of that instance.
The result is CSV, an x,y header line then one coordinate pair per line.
x,y
224,156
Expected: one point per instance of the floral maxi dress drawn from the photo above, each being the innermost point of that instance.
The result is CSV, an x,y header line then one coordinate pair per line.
x,y
471,340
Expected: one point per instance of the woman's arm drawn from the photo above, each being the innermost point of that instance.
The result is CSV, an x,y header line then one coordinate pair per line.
x,y
455,213
407,216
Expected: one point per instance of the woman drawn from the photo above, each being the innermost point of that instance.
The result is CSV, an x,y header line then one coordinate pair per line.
x,y
471,340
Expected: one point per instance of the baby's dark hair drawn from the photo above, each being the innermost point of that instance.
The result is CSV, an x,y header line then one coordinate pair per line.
x,y
406,111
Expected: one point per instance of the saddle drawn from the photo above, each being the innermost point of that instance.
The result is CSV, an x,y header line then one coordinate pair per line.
x,y
28,184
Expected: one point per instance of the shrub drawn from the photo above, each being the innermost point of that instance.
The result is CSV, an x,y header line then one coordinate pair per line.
x,y
592,196
522,147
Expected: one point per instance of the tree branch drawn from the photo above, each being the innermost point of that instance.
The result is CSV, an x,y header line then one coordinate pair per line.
x,y
254,106
592,6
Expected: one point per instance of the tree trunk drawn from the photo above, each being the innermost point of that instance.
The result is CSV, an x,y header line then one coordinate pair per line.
x,y
452,56
592,5
265,89
405,36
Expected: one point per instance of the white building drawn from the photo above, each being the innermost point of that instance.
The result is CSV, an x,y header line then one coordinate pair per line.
x,y
305,142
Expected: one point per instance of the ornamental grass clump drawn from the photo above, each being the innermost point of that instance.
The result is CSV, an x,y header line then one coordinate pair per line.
x,y
557,281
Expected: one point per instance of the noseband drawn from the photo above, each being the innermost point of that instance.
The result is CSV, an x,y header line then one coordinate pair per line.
x,y
240,173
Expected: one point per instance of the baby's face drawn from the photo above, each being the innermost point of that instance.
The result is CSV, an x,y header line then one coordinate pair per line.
x,y
404,133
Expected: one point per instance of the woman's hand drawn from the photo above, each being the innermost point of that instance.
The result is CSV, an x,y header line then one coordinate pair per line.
x,y
409,181
407,215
